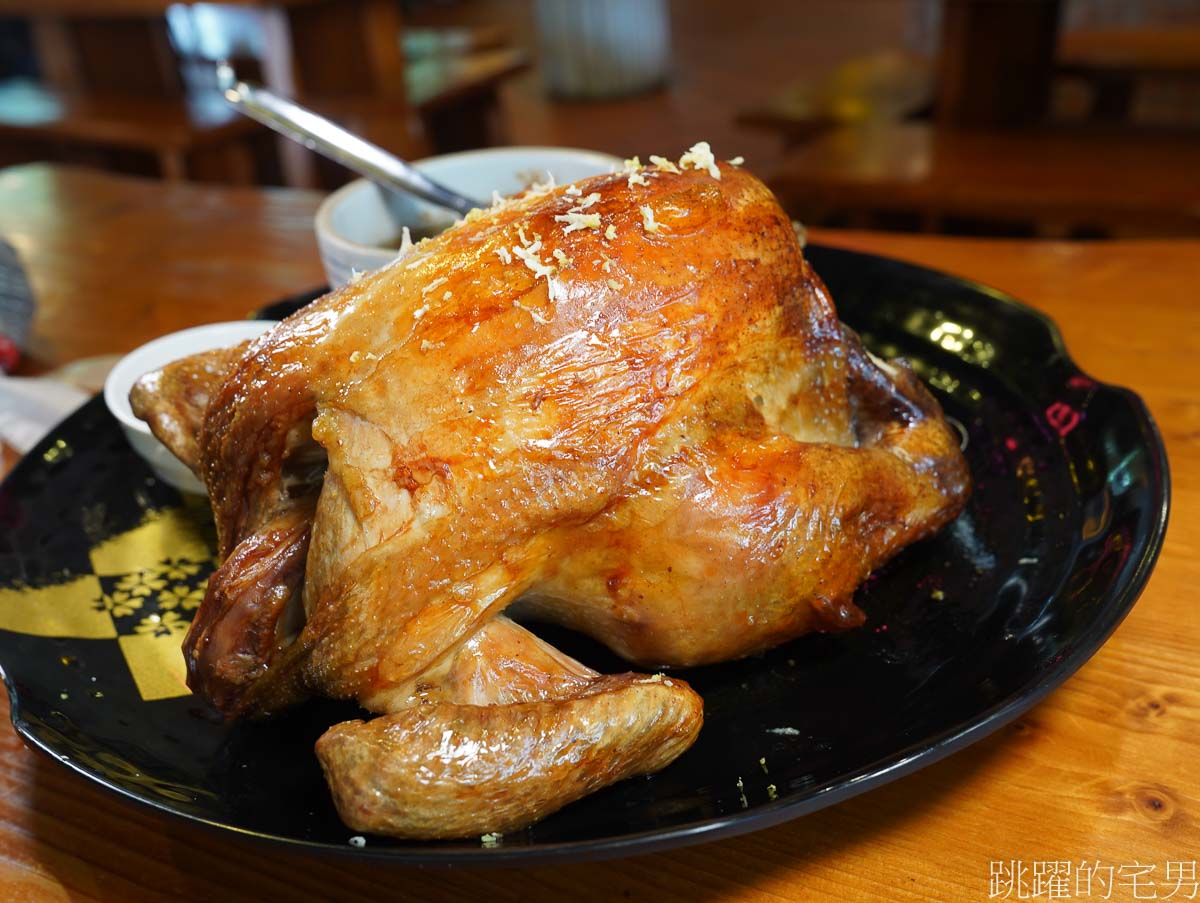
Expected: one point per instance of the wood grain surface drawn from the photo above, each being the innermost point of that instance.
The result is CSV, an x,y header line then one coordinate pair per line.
x,y
1046,177
1107,768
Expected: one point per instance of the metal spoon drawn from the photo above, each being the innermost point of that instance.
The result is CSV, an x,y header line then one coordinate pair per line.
x,y
331,140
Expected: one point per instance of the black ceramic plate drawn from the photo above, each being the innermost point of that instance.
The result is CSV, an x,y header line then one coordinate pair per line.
x,y
101,566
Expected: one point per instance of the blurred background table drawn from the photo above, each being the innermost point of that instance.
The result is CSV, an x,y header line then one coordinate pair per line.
x,y
920,100
1114,62
1107,768
1035,182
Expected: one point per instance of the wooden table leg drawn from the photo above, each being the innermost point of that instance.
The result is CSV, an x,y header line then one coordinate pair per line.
x,y
1112,98
172,165
473,122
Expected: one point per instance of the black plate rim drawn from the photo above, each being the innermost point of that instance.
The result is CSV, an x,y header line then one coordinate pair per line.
x,y
903,762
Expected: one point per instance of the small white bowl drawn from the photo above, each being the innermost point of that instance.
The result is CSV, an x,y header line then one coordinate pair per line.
x,y
152,356
358,226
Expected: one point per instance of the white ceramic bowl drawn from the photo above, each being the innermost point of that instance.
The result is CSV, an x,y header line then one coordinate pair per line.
x,y
358,226
151,356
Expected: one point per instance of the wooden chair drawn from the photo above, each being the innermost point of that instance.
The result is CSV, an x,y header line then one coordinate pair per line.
x,y
112,72
196,137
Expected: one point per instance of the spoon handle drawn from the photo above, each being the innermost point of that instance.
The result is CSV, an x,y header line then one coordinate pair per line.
x,y
331,140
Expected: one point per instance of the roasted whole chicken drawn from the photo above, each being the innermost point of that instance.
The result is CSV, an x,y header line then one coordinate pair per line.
x,y
626,406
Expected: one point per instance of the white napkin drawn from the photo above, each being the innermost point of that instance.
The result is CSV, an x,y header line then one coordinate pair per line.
x,y
31,406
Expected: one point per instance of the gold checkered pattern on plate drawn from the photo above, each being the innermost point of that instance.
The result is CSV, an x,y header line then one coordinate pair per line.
x,y
144,587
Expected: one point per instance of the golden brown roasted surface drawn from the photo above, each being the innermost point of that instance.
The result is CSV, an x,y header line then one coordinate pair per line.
x,y
509,730
648,425
173,400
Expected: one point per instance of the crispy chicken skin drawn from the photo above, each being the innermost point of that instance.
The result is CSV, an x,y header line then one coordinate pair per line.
x,y
648,425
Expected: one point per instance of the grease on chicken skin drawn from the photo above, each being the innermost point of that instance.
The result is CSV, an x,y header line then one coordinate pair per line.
x,y
662,437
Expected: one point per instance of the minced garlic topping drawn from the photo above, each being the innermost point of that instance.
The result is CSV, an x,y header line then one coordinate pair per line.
x,y
577,221
586,202
538,188
537,318
434,284
406,243
527,252
663,163
530,259
648,222
700,156
420,311
801,232
736,161
632,167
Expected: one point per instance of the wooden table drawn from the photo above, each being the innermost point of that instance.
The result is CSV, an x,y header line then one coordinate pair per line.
x,y
1054,179
1153,50
1107,768
1115,61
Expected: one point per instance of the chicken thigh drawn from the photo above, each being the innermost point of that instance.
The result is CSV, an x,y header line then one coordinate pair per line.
x,y
626,406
